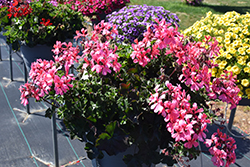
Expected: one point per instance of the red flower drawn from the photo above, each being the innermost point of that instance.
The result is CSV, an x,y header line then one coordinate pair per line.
x,y
46,23
19,10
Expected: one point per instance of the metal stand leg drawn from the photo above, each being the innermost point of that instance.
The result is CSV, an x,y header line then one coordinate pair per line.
x,y
26,80
11,70
231,120
0,52
54,136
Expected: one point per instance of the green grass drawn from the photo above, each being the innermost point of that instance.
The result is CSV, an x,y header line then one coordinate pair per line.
x,y
190,14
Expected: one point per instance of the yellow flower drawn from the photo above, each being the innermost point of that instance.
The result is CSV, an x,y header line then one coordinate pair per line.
x,y
232,50
248,64
220,22
247,90
245,82
236,70
227,24
217,61
245,31
241,50
248,51
240,87
242,36
235,36
235,43
240,94
219,39
199,35
228,56
227,41
241,62
229,68
221,31
214,70
246,70
227,45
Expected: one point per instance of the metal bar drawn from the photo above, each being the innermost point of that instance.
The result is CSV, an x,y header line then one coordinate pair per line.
x,y
231,120
11,70
26,80
0,52
54,136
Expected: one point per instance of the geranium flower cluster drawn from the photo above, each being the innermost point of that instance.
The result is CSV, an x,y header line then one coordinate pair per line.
x,y
232,32
94,7
97,55
185,122
44,75
173,103
221,147
193,2
173,99
19,9
132,21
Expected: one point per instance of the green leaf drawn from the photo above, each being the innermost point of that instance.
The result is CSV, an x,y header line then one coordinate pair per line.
x,y
104,136
92,119
90,136
111,128
49,113
88,146
125,86
113,140
132,70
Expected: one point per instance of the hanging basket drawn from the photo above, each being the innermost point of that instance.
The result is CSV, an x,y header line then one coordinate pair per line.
x,y
115,160
31,54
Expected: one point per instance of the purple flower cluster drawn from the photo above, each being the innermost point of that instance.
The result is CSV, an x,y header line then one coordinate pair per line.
x,y
5,2
132,21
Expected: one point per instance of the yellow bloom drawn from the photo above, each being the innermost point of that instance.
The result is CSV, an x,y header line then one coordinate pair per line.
x,y
232,50
221,31
219,39
199,35
227,45
248,51
245,82
220,22
217,61
236,70
241,50
240,87
241,62
245,31
246,70
235,36
240,94
229,68
235,43
247,90
248,64
227,41
227,24
242,36
228,56
214,70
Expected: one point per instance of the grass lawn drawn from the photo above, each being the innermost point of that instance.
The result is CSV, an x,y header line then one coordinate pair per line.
x,y
190,14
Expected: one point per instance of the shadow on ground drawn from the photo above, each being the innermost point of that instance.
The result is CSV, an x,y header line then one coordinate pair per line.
x,y
224,8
